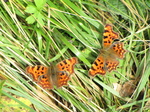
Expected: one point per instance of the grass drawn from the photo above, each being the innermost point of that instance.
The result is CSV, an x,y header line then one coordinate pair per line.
x,y
46,32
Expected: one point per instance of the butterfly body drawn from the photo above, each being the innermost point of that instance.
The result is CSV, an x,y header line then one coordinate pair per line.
x,y
109,55
48,77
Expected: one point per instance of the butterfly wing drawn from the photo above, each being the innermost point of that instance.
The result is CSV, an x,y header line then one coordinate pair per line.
x,y
98,67
35,72
62,78
115,51
109,36
67,65
45,82
118,50
64,69
111,63
41,75
107,60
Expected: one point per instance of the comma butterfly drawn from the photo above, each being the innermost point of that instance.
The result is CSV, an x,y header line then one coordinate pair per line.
x,y
112,50
58,75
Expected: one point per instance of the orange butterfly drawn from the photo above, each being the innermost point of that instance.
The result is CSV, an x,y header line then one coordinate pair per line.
x,y
107,60
48,77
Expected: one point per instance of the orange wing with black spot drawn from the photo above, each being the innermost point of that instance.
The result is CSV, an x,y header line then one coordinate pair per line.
x,y
47,77
109,36
40,74
107,60
98,67
64,69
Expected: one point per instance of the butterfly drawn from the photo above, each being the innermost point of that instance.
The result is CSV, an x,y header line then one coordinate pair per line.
x,y
48,77
110,53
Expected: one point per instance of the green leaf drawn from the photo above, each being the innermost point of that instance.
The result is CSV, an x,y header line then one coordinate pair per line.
x,y
40,3
30,9
30,20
